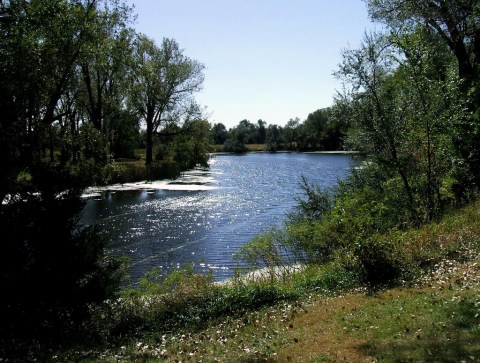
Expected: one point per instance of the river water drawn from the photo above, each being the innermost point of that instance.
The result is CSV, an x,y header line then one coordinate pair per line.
x,y
206,215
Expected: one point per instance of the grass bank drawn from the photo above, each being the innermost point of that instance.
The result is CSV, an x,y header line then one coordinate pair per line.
x,y
324,313
434,320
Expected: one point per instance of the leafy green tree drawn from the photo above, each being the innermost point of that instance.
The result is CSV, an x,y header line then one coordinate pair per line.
x,y
243,133
291,134
314,129
189,145
456,25
403,108
433,107
235,146
40,48
220,133
103,72
322,131
52,267
261,132
274,137
163,84
379,120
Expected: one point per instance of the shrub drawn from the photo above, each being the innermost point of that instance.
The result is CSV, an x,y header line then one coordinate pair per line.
x,y
330,277
234,146
316,204
380,259
272,252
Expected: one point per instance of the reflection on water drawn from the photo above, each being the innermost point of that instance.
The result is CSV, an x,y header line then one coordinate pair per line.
x,y
205,216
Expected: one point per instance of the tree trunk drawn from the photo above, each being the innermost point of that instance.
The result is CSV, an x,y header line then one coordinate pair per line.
x,y
149,143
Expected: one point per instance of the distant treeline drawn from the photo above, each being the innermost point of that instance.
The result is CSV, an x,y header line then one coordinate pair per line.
x,y
322,130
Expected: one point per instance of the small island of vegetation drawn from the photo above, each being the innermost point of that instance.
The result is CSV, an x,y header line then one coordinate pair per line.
x,y
384,267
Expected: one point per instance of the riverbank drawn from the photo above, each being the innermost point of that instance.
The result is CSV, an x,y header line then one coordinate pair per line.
x,y
432,319
322,313
218,149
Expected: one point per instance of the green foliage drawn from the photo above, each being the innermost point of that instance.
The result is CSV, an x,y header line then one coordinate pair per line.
x,y
328,278
318,202
115,173
234,146
269,251
366,230
219,134
379,259
467,313
320,131
312,241
191,146
183,299
164,81
185,304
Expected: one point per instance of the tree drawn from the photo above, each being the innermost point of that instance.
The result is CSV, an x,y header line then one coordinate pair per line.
x,y
163,85
274,137
380,120
314,127
40,49
261,131
191,144
220,133
291,134
52,267
103,72
457,25
456,22
431,98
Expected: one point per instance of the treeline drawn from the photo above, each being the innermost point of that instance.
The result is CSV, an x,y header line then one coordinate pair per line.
x,y
78,84
322,130
79,87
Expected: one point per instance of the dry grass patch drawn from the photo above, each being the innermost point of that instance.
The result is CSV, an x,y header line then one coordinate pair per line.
x,y
318,335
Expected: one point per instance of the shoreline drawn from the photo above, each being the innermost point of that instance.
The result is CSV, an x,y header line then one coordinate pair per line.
x,y
340,152
263,274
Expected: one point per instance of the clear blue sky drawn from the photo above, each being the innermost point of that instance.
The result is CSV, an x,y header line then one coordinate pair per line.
x,y
265,59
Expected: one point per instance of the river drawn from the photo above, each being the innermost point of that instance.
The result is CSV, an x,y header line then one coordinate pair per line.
x,y
206,215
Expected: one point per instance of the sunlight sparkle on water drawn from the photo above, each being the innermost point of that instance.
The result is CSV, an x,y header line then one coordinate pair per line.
x,y
205,216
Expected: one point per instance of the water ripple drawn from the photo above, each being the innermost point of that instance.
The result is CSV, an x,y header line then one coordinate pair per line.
x,y
207,214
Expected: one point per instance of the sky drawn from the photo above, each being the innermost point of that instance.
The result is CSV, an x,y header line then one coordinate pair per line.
x,y
264,59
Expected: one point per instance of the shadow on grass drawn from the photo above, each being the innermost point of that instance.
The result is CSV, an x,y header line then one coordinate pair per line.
x,y
459,347
457,340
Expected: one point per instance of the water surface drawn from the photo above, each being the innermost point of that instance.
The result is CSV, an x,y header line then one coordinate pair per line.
x,y
205,216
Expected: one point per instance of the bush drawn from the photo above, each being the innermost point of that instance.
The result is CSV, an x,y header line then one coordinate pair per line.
x,y
183,300
380,260
234,146
272,253
330,277
317,204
